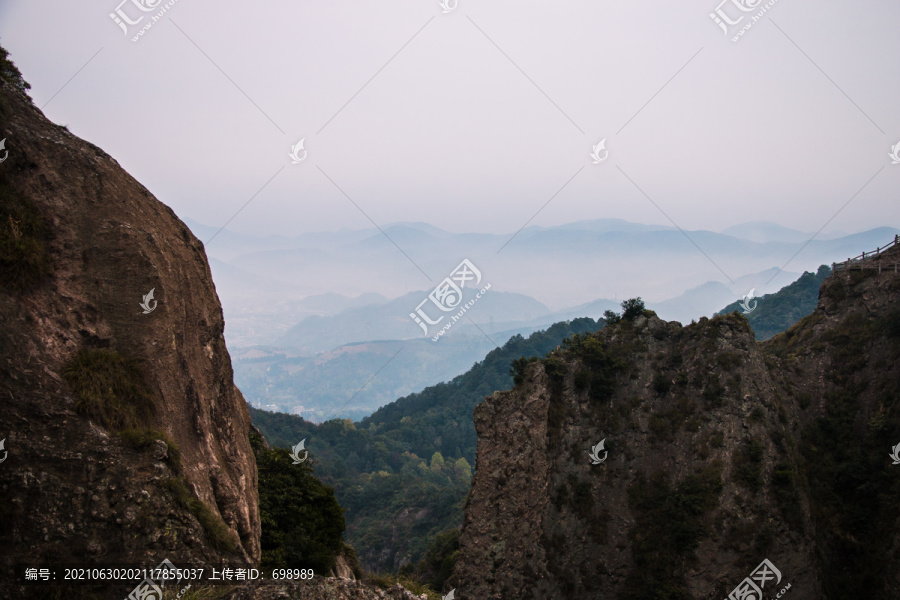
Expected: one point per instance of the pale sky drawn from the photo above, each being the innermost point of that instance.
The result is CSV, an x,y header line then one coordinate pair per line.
x,y
475,119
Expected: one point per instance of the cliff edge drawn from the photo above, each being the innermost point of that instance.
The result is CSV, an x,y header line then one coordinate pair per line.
x,y
724,463
127,440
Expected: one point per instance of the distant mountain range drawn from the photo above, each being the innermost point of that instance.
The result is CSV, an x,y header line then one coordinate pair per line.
x,y
262,280
332,354
354,379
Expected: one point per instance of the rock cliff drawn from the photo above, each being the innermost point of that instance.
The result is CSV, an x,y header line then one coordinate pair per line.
x,y
719,453
125,440
126,437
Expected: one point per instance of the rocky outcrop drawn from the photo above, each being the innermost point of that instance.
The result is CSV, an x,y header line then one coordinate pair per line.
x,y
127,439
719,454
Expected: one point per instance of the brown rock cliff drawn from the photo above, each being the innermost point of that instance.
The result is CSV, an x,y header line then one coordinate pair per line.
x,y
83,243
722,452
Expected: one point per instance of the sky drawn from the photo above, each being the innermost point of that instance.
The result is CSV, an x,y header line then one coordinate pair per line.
x,y
482,118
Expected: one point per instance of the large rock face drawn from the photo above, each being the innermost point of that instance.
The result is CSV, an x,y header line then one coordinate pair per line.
x,y
722,454
74,490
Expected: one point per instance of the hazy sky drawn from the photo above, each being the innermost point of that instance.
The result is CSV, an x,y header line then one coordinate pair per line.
x,y
474,119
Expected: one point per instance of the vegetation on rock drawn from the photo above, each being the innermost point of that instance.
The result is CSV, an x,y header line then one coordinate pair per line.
x,y
110,389
24,237
302,523
777,312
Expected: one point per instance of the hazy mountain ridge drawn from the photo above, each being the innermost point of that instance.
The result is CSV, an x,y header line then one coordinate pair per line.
x,y
286,382
561,266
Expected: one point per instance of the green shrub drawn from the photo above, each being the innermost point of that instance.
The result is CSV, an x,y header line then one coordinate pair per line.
x,y
436,567
600,364
302,522
110,389
518,367
10,73
632,308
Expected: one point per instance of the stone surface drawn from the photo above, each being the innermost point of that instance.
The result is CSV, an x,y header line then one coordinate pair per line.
x,y
112,242
541,521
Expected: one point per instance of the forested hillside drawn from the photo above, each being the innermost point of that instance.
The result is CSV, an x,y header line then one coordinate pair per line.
x,y
777,312
403,473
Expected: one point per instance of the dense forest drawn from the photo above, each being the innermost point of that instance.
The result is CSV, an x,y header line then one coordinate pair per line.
x,y
403,473
777,312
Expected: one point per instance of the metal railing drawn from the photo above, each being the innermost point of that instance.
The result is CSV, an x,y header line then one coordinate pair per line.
x,y
873,260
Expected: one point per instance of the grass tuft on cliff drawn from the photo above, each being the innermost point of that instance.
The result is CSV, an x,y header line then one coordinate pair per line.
x,y
24,256
218,534
110,389
141,439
